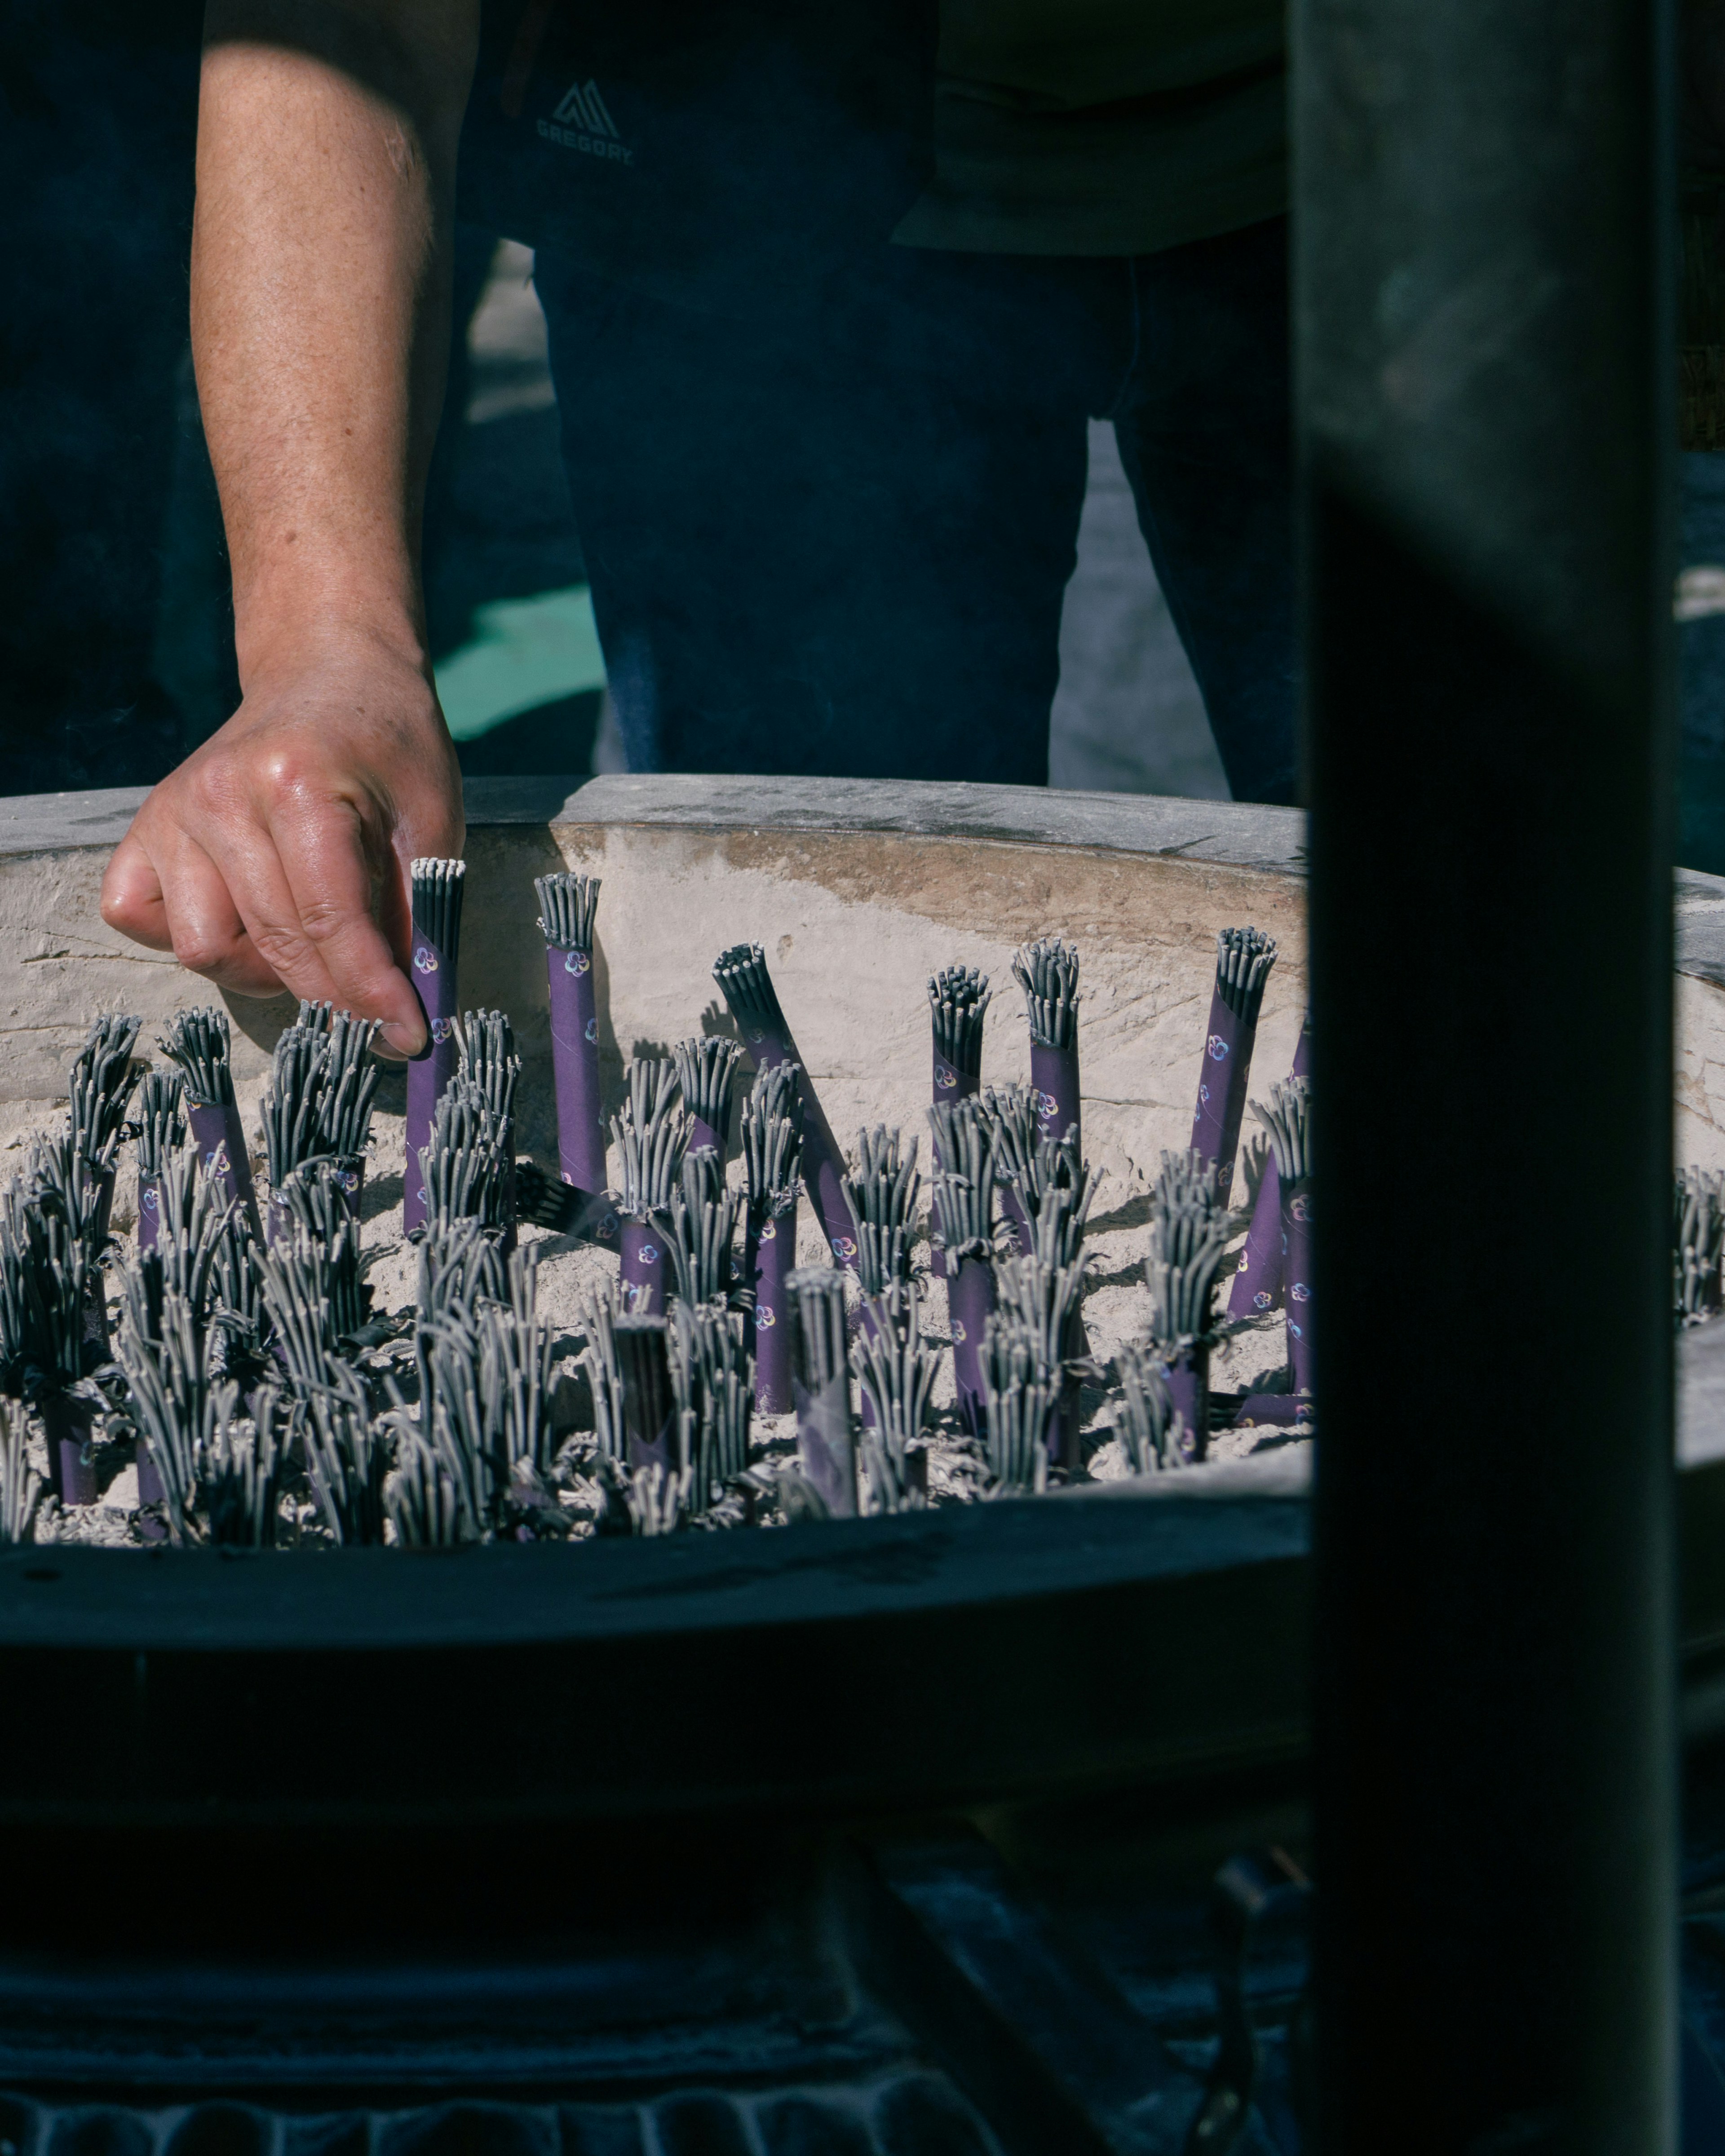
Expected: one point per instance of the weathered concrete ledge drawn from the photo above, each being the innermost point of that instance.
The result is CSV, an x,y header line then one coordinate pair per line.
x,y
859,889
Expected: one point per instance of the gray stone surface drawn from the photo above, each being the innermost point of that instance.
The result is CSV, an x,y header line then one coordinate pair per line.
x,y
1241,834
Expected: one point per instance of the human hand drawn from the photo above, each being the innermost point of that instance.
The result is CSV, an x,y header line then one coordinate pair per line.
x,y
276,855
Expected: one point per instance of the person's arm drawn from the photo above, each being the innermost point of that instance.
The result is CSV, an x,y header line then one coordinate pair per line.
x,y
275,855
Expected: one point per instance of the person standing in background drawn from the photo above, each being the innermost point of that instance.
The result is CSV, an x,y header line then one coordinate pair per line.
x,y
826,333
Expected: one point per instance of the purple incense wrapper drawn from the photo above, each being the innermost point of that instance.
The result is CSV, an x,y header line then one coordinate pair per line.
x,y
69,1423
1054,1075
430,1071
1272,1411
1258,1281
1297,1235
741,973
1244,958
1187,1369
149,1211
575,1068
646,1265
219,1135
970,1297
769,1255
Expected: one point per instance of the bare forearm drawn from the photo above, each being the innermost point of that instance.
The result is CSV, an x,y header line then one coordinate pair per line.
x,y
320,303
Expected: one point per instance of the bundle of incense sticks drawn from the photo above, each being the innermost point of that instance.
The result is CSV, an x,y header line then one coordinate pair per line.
x,y
348,1461
826,1440
1287,1118
1698,1236
650,1424
963,1229
957,1003
291,1132
567,907
1018,1408
198,1043
1151,1433
652,1135
239,1477
21,1488
423,1499
1188,1231
489,1072
741,974
1043,1301
715,1392
706,1070
703,1231
463,1168
346,1093
85,1193
100,1088
458,1264
1048,973
896,1373
1244,958
1259,1281
1058,1195
880,1197
773,1163
159,1132
176,1399
1014,1125
438,887
605,1372
47,1268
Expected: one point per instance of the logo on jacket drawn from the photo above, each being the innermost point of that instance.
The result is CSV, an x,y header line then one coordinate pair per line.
x,y
581,121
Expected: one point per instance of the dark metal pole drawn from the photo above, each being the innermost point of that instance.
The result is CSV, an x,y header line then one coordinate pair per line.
x,y
1485,365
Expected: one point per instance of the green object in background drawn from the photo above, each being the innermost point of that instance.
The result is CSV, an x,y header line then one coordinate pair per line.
x,y
523,654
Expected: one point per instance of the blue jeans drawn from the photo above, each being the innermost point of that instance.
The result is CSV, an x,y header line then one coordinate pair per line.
x,y
835,539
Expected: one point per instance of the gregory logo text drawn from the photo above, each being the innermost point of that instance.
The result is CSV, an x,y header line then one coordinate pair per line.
x,y
582,122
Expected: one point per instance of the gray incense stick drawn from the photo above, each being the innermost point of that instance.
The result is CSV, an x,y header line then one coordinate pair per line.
x,y
490,1072
290,1108
658,1499
707,1070
1188,1231
101,1083
1698,1238
651,1136
741,973
1018,1408
21,1487
197,1043
239,1474
459,1263
1014,1125
604,1373
347,1459
896,1373
464,1166
313,1297
957,1002
1287,1118
160,1130
1148,1425
713,1382
351,1077
1048,973
821,1386
772,1164
963,1228
568,905
881,1196
423,1501
175,1401
703,1237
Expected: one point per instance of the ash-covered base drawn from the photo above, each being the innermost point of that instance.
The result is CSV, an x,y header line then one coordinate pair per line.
x,y
1115,1310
